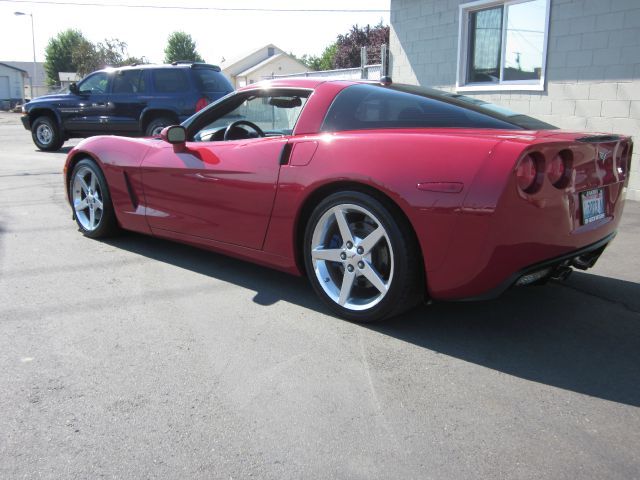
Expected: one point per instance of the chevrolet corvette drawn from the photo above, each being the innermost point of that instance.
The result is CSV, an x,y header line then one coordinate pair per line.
x,y
383,194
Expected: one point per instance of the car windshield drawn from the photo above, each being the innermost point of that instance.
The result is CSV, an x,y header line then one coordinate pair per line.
x,y
274,114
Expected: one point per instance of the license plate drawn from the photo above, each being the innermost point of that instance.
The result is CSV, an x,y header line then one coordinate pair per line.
x,y
592,205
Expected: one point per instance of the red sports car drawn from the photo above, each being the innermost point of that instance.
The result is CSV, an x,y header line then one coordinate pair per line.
x,y
382,194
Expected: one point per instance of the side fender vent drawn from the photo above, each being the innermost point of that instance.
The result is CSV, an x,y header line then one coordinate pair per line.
x,y
286,153
132,194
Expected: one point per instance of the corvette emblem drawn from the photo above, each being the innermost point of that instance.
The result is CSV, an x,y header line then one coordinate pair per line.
x,y
602,154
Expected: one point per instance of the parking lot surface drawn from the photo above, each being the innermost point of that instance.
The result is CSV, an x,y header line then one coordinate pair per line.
x,y
141,358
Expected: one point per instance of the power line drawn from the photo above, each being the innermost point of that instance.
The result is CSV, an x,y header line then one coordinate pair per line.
x,y
175,7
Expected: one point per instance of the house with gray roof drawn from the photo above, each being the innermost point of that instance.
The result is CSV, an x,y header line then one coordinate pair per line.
x,y
40,86
11,86
260,64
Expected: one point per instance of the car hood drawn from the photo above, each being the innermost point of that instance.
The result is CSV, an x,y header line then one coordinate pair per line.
x,y
98,142
54,97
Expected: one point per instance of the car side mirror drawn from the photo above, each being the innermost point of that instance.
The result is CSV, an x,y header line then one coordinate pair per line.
x,y
174,134
73,88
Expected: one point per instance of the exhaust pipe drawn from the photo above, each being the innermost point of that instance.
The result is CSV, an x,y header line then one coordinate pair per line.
x,y
583,262
561,273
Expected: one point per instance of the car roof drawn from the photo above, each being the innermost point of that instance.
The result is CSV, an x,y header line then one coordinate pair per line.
x,y
145,66
307,83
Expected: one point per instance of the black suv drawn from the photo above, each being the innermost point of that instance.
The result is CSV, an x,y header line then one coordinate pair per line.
x,y
131,101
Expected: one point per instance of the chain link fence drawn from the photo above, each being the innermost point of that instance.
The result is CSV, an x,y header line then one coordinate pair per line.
x,y
365,71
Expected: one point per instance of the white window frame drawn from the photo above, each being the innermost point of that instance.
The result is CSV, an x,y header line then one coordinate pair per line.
x,y
463,50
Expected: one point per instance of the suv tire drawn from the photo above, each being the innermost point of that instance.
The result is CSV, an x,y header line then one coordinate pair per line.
x,y
46,134
156,125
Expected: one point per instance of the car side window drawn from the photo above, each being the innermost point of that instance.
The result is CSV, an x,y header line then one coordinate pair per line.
x,y
128,81
96,83
170,81
275,115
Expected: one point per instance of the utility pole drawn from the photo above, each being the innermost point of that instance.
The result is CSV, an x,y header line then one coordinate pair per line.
x,y
33,40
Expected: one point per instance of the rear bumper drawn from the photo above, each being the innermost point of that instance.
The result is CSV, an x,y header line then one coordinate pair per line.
x,y
26,122
502,232
582,259
491,250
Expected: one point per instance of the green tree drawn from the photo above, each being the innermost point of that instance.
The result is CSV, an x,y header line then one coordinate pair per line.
x,y
59,53
85,58
323,62
348,46
110,53
180,46
345,51
70,51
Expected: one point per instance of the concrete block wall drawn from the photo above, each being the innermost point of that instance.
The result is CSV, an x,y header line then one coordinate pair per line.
x,y
593,64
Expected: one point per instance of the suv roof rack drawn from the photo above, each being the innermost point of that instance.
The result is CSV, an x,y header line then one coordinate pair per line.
x,y
196,64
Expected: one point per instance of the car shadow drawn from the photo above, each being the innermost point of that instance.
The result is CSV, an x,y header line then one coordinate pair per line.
x,y
581,335
270,285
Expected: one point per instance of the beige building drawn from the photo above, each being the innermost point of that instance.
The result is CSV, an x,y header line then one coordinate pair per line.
x,y
260,64
67,78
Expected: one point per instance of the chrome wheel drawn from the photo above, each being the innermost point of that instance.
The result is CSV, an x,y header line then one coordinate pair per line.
x,y
44,134
352,257
87,197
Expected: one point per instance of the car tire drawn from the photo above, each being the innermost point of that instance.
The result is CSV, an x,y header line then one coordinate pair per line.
x,y
46,134
156,125
91,201
353,237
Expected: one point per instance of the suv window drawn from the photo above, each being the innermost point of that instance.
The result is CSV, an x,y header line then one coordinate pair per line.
x,y
96,83
208,80
170,81
128,81
369,106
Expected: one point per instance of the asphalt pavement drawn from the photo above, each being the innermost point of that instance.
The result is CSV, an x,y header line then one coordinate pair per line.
x,y
141,358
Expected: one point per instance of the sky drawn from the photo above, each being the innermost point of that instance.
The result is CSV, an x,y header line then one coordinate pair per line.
x,y
525,35
218,34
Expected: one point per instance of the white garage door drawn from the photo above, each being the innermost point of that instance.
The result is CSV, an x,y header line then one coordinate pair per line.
x,y
4,88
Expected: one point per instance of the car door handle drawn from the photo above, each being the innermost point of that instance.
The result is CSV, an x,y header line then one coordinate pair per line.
x,y
99,104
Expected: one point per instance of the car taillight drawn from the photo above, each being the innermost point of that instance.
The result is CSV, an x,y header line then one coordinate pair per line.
x,y
203,102
527,174
622,164
559,168
556,169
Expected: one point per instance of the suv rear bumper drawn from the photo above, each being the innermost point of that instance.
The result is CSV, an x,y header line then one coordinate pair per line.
x,y
26,122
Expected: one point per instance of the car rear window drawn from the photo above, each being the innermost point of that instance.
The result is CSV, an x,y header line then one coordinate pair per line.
x,y
208,80
170,81
371,106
